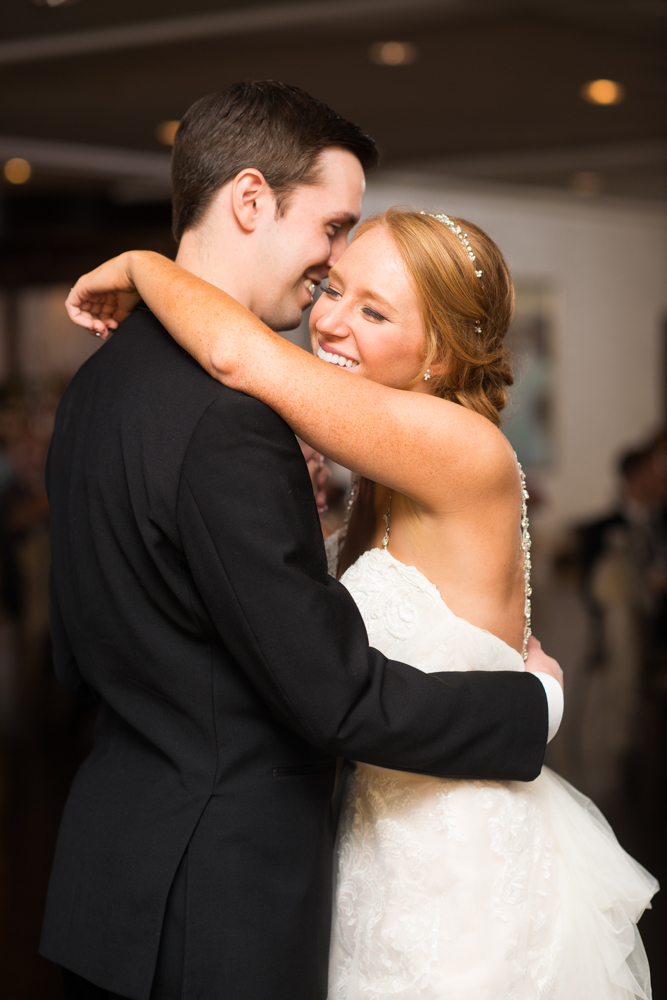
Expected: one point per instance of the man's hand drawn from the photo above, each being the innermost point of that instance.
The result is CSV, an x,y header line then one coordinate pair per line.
x,y
103,298
539,662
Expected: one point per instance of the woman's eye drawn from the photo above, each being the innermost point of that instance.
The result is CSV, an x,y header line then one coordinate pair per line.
x,y
333,292
373,314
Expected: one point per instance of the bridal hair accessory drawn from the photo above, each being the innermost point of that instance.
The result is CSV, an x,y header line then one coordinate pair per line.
x,y
458,232
427,374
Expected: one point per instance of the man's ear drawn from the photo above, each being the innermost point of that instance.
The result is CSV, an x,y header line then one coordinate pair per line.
x,y
251,197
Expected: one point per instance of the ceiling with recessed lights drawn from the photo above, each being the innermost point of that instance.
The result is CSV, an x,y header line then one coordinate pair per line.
x,y
568,94
435,81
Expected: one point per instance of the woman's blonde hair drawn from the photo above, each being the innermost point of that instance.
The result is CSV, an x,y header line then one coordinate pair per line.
x,y
465,316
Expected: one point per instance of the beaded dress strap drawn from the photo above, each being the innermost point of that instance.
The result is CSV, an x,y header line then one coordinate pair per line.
x,y
525,547
385,518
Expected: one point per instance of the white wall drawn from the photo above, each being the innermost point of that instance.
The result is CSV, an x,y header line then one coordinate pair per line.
x,y
50,344
607,264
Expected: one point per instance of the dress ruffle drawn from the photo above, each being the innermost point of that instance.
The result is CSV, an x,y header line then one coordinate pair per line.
x,y
602,894
462,890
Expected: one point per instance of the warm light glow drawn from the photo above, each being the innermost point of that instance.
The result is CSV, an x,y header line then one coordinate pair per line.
x,y
17,171
393,53
166,132
603,92
586,183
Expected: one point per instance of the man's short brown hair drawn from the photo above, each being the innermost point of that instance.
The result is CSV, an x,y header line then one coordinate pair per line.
x,y
277,129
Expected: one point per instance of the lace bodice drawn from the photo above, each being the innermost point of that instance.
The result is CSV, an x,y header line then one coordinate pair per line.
x,y
418,582
407,619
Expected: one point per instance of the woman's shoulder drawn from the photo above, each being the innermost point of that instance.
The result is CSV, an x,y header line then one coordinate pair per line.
x,y
473,448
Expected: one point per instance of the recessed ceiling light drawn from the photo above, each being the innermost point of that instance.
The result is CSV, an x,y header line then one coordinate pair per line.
x,y
54,3
17,171
393,53
165,132
603,92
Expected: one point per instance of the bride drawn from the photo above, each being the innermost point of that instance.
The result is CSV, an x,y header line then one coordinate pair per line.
x,y
446,889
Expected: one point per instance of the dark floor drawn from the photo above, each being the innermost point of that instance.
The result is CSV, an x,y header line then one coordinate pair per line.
x,y
35,772
36,769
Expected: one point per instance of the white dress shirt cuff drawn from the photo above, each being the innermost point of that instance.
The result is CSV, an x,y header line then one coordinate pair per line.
x,y
555,702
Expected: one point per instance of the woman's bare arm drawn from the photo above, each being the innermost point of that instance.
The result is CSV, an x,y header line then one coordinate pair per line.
x,y
429,449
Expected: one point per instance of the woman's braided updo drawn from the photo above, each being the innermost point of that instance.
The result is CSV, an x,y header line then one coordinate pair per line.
x,y
466,317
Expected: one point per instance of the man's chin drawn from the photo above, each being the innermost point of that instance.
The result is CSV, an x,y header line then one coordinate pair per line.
x,y
283,323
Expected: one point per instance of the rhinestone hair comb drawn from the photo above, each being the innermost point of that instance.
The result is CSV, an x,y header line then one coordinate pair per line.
x,y
458,232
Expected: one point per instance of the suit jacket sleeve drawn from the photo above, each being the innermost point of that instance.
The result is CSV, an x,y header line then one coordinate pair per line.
x,y
250,533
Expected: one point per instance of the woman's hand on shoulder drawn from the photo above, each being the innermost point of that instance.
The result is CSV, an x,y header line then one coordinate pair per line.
x,y
103,298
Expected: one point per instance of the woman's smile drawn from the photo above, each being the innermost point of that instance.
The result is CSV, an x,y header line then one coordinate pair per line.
x,y
335,356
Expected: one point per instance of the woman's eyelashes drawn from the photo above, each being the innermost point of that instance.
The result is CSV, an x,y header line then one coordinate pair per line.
x,y
373,313
366,310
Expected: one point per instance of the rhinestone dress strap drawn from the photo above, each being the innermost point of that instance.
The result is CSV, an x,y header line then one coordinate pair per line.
x,y
351,497
525,547
386,517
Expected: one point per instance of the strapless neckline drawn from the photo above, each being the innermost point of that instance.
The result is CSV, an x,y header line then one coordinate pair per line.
x,y
423,583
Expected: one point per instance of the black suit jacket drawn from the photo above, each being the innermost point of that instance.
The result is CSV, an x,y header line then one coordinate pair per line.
x,y
190,595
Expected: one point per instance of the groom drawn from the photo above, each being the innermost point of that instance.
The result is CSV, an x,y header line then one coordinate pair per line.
x,y
191,601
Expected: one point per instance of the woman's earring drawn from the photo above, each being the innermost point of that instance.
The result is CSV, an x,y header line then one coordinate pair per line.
x,y
427,375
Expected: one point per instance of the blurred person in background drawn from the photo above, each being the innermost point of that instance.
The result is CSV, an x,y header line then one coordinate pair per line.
x,y
622,560
657,575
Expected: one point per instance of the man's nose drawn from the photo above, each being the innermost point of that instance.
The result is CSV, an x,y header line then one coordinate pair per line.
x,y
338,248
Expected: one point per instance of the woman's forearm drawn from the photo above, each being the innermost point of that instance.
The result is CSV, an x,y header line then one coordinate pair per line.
x,y
202,318
404,440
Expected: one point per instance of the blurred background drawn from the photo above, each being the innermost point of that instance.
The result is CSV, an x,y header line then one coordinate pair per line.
x,y
544,121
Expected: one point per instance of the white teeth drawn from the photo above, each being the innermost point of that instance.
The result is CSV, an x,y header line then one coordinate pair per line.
x,y
310,285
335,359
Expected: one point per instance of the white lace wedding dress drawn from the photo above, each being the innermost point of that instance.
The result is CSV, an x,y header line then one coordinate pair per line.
x,y
473,890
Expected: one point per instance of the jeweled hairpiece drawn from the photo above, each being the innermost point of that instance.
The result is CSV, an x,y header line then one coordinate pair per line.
x,y
463,237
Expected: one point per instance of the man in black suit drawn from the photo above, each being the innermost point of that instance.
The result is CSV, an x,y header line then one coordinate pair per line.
x,y
190,598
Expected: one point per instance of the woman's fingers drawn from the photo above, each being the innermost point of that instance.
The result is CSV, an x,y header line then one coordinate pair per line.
x,y
99,313
102,299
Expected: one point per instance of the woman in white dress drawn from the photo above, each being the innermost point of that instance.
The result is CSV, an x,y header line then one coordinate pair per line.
x,y
446,889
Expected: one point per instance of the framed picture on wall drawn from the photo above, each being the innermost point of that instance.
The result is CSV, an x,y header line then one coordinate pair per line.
x,y
528,418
